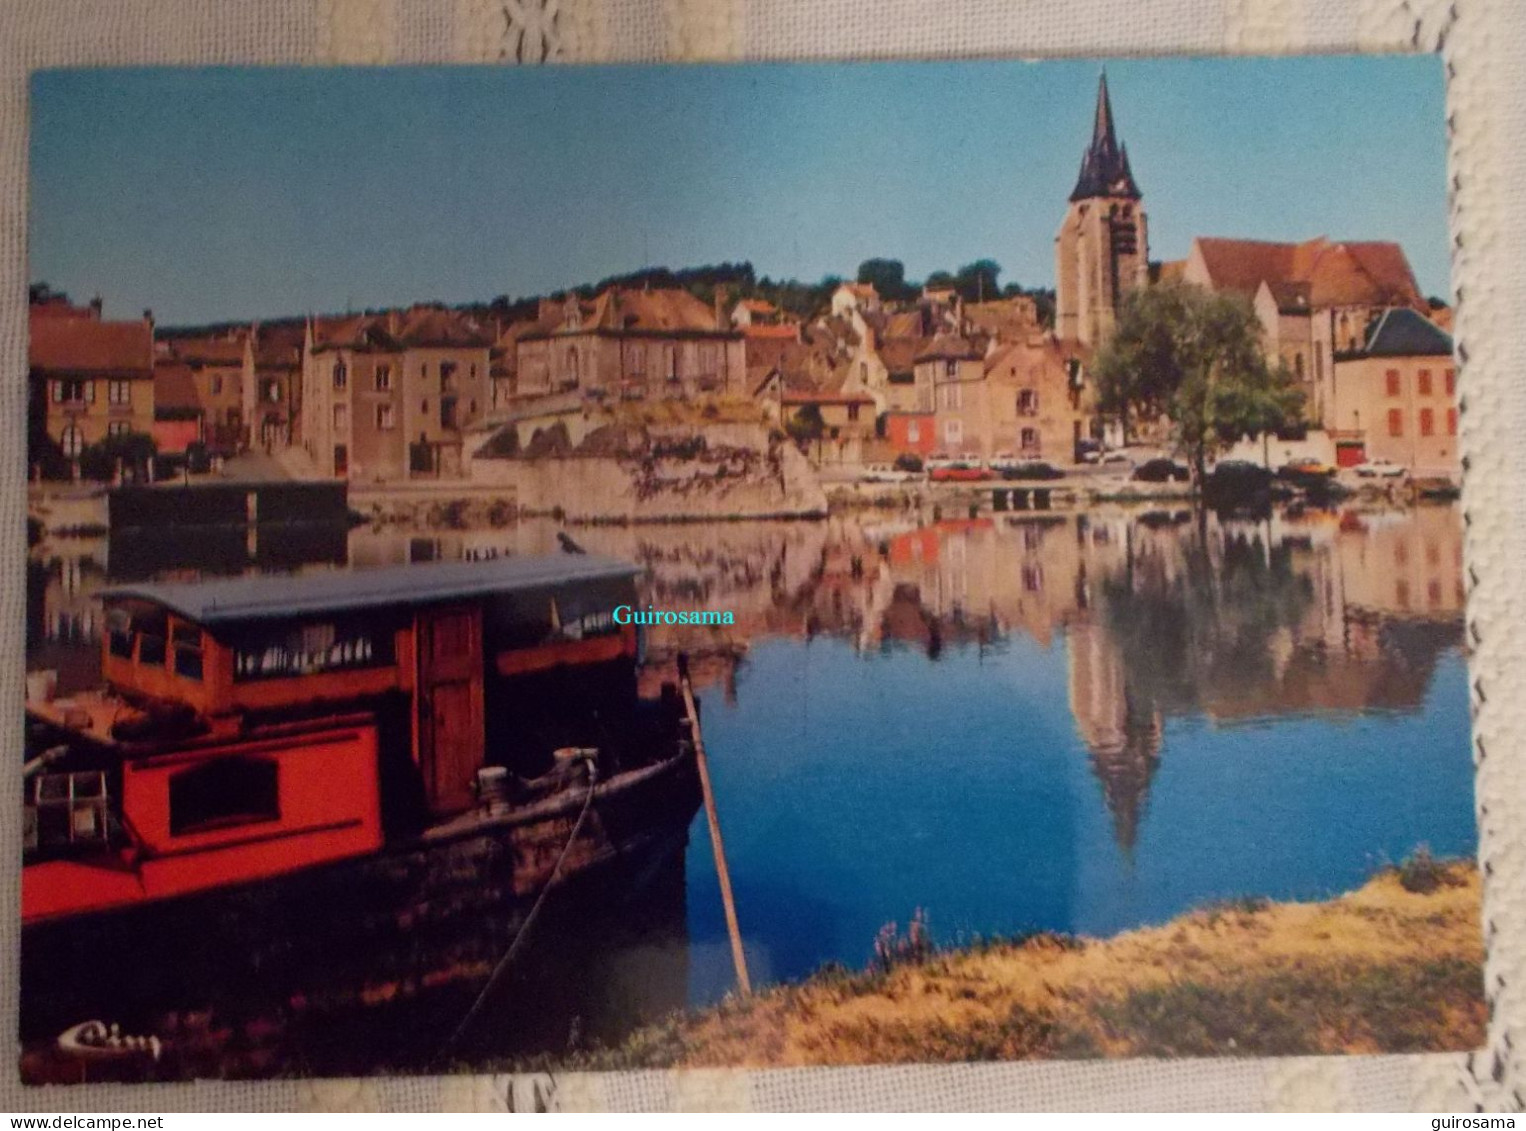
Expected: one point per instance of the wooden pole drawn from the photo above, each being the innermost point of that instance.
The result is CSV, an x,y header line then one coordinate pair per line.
x,y
712,817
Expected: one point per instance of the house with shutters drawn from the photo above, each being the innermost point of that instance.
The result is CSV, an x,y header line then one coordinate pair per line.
x,y
390,396
89,378
631,344
1394,397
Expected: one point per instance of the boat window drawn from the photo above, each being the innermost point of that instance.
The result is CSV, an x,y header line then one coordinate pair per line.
x,y
222,794
307,649
186,640
119,633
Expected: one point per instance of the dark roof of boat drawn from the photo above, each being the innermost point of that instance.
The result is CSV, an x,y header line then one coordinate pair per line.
x,y
276,596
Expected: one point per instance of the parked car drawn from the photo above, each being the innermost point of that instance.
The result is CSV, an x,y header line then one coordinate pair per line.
x,y
1089,451
1031,469
1003,460
958,473
1161,471
1380,469
885,473
1303,467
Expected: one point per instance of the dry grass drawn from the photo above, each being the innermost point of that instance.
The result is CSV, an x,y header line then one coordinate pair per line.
x,y
1382,969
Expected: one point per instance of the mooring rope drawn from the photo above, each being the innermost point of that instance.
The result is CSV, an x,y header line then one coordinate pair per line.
x,y
524,928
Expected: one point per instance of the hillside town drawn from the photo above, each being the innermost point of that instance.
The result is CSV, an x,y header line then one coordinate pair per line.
x,y
931,382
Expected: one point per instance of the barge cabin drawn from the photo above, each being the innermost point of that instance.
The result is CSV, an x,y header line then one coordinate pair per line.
x,y
250,727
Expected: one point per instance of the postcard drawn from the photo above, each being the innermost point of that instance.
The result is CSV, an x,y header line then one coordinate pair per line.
x,y
762,565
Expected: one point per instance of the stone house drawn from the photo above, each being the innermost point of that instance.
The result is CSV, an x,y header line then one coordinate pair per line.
x,y
390,396
88,378
1314,299
949,369
1395,397
216,364
630,344
272,385
1037,405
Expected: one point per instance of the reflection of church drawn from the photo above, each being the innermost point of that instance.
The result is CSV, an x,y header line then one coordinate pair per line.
x,y
1122,734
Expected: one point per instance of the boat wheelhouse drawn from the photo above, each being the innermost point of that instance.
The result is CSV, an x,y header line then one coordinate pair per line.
x,y
251,727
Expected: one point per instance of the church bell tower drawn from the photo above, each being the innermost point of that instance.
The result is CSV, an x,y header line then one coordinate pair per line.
x,y
1102,249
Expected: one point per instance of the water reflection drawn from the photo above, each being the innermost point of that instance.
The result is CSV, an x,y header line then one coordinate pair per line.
x,y
1080,722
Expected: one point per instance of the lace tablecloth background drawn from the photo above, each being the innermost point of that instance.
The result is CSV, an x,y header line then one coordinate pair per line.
x,y
1484,45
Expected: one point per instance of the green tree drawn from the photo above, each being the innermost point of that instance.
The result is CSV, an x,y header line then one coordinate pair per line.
x,y
806,425
888,277
1195,357
978,281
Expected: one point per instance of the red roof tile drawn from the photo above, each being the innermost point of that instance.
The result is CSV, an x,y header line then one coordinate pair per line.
x,y
1338,274
83,345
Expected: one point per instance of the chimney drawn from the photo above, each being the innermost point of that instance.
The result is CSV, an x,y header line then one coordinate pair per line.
x,y
148,317
95,307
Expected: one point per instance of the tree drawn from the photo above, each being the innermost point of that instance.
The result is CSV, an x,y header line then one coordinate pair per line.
x,y
888,278
806,425
977,282
1195,357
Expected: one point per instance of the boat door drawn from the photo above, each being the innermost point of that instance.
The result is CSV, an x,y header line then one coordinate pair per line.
x,y
449,705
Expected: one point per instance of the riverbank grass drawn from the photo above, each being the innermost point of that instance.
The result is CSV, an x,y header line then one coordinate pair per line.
x,y
1395,966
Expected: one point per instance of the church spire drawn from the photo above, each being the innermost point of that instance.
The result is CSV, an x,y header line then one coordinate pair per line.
x,y
1105,165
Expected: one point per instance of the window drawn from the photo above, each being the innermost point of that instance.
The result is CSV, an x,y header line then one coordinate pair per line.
x,y
951,369
1451,422
1395,422
708,359
73,392
385,418
1451,382
1298,365
913,431
383,378
424,370
951,396
635,361
953,431
1392,377
217,385
72,440
1033,578
447,376
185,640
424,408
572,366
341,459
852,412
863,372
119,392
1030,440
118,428
273,392
1028,402
669,363
341,375
1423,383
224,793
341,417
448,412
1427,422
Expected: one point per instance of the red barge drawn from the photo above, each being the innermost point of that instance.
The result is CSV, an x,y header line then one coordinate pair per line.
x,y
350,754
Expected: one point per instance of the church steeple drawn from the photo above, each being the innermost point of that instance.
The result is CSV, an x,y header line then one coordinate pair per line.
x,y
1105,165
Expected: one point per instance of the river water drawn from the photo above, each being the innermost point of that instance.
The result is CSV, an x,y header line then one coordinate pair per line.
x,y
1080,723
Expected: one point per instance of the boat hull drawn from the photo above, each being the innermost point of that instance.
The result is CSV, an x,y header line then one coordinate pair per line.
x,y
371,962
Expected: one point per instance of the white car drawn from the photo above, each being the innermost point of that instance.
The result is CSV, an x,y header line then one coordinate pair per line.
x,y
887,473
1380,469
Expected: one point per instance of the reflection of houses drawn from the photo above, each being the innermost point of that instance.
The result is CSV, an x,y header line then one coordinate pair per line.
x,y
90,379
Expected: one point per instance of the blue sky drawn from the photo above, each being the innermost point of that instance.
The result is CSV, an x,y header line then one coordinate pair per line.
x,y
251,193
